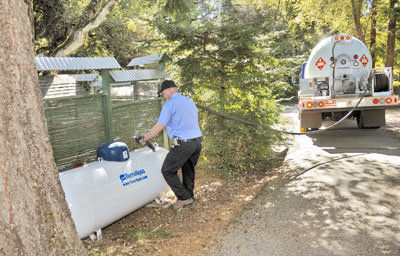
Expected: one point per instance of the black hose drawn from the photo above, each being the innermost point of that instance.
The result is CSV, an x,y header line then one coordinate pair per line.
x,y
148,144
292,133
281,131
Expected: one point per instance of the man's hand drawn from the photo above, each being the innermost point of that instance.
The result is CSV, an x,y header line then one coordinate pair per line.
x,y
140,140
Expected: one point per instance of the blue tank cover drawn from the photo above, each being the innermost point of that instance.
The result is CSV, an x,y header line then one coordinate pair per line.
x,y
113,151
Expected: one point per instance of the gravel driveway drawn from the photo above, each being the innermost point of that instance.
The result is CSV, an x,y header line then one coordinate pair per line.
x,y
338,193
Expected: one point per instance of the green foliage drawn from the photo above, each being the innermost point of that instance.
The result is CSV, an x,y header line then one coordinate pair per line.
x,y
240,69
126,34
317,19
51,19
324,15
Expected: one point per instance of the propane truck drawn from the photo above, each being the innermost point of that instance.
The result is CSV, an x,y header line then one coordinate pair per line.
x,y
338,77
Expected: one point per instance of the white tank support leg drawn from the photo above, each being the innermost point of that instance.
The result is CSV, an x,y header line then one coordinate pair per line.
x,y
95,237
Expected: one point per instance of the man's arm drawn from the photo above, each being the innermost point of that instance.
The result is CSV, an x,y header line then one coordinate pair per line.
x,y
156,129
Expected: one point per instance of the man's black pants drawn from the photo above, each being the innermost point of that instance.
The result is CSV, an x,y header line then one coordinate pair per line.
x,y
183,155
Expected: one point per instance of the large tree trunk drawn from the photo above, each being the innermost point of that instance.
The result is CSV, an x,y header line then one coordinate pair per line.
x,y
372,44
90,19
356,6
391,39
34,217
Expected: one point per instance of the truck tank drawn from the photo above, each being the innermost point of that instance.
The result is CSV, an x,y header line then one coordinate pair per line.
x,y
344,58
338,79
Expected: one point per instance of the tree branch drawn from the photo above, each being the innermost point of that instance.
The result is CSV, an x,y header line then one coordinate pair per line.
x,y
90,20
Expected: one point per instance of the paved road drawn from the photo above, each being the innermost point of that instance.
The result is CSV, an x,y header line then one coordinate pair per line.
x,y
338,195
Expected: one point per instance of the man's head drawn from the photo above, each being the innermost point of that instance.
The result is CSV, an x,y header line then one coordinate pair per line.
x,y
168,88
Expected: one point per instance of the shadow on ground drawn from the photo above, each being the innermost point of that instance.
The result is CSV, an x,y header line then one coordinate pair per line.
x,y
340,196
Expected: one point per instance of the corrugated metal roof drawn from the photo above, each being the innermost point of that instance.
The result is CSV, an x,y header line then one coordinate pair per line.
x,y
84,77
98,83
70,63
151,59
137,75
120,84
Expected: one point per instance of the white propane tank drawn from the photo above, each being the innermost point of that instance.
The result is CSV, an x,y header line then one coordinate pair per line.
x,y
344,47
100,193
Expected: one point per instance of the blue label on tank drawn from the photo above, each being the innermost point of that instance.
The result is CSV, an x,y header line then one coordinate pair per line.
x,y
133,177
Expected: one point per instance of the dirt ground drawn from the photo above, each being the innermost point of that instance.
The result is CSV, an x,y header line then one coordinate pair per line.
x,y
192,230
188,231
392,122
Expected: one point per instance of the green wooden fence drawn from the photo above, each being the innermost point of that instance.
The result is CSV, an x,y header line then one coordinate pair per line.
x,y
134,118
78,125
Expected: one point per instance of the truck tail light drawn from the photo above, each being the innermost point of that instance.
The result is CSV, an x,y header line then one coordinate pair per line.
x,y
376,101
320,104
389,100
355,56
309,104
395,99
348,37
342,37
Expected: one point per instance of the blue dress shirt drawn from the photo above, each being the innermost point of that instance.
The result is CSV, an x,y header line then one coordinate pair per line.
x,y
179,116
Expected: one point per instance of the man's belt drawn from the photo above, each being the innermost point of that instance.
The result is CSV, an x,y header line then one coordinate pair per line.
x,y
189,140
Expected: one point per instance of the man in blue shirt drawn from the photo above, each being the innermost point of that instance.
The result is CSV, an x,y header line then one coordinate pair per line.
x,y
179,117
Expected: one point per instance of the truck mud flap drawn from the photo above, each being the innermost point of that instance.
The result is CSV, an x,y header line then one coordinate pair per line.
x,y
310,120
371,118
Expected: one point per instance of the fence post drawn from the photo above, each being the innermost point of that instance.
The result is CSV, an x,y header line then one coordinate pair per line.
x,y
135,90
106,79
165,134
